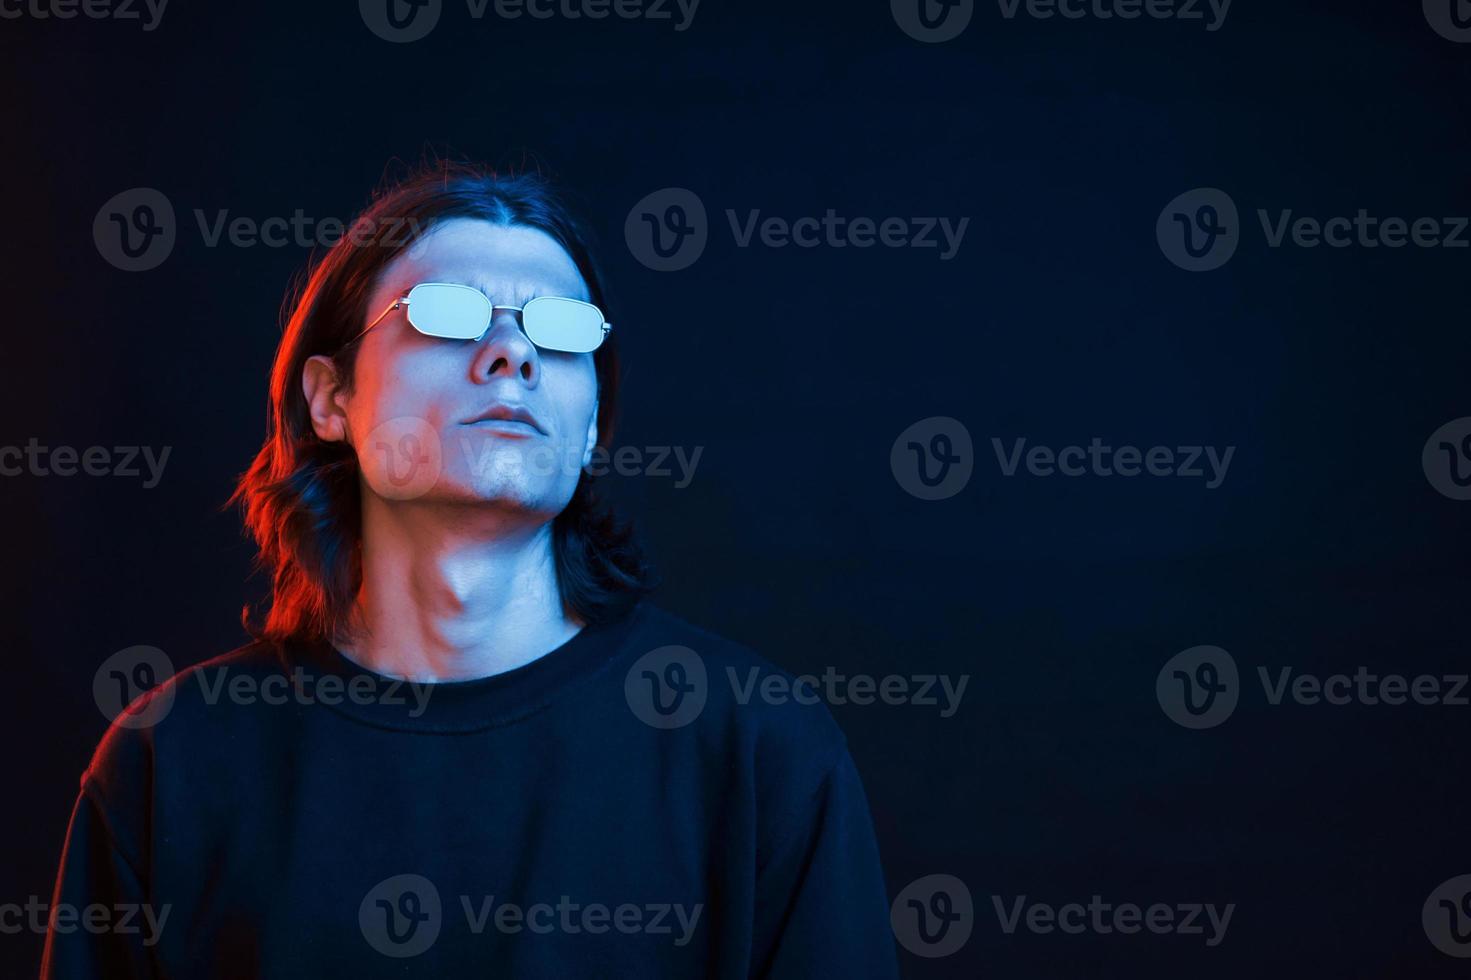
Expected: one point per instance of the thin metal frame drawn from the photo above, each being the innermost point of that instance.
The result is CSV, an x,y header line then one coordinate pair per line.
x,y
403,301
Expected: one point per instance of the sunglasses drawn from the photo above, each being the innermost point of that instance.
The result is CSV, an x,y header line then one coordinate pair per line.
x,y
455,312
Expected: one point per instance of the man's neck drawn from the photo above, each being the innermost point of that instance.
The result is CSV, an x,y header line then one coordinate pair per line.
x,y
452,594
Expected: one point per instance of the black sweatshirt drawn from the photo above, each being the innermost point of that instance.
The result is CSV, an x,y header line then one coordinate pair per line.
x,y
629,805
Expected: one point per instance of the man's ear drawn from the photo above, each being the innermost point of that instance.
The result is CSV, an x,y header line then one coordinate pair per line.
x,y
324,399
592,436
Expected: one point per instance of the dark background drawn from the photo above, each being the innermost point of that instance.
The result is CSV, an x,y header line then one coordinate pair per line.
x,y
1325,549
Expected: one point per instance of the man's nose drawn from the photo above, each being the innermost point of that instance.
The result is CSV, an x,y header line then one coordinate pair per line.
x,y
506,350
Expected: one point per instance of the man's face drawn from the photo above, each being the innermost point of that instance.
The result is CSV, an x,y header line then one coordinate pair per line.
x,y
417,407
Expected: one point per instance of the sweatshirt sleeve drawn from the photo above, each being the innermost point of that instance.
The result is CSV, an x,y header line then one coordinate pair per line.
x,y
102,923
821,901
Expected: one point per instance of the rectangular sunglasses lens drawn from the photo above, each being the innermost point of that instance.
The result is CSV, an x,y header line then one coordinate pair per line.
x,y
556,323
455,312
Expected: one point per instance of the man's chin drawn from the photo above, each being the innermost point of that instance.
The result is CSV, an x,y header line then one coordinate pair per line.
x,y
507,494
492,460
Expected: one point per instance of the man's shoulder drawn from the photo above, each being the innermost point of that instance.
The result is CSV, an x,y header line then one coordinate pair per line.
x,y
728,688
177,709
715,649
770,732
207,684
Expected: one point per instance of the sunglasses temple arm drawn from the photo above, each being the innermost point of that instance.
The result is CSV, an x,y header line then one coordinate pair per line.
x,y
403,301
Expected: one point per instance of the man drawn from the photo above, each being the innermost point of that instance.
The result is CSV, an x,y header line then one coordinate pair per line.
x,y
463,741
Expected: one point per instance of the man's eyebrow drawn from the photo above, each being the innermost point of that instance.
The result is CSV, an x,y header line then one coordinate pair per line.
x,y
404,285
526,291
533,291
481,285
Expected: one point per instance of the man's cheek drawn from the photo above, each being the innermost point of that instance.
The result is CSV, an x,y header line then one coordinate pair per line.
x,y
401,457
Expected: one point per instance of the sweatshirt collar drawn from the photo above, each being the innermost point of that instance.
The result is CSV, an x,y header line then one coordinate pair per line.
x,y
463,706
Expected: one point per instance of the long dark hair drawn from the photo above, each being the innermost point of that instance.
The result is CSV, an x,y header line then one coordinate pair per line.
x,y
300,496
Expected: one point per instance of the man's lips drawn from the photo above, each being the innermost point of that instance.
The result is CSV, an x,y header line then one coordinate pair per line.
x,y
509,418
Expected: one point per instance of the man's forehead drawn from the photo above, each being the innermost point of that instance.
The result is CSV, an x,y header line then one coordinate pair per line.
x,y
482,242
518,266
